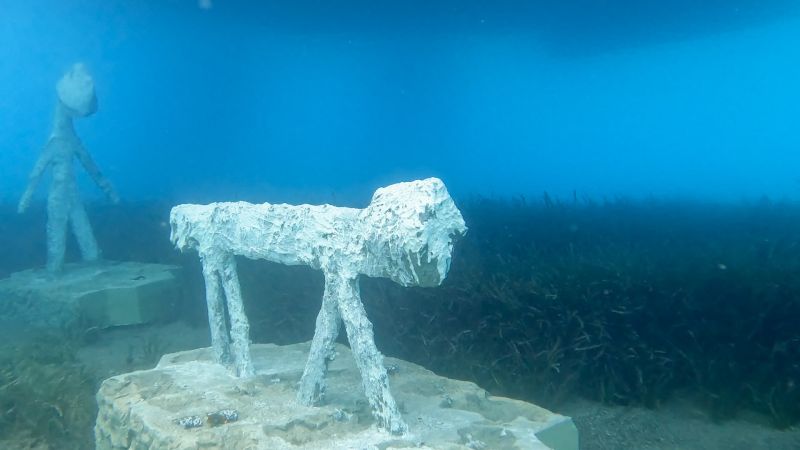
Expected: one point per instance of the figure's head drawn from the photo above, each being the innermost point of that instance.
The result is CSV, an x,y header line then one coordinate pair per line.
x,y
76,91
409,230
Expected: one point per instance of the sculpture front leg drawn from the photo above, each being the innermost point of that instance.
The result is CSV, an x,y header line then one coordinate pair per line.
x,y
240,326
312,383
369,360
220,342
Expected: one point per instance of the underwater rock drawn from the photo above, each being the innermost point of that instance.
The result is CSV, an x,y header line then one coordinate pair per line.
x,y
405,234
139,409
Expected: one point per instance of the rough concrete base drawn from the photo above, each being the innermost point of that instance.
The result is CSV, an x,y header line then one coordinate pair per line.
x,y
139,410
100,294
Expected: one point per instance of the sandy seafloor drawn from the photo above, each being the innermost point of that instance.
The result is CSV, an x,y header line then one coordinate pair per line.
x,y
676,425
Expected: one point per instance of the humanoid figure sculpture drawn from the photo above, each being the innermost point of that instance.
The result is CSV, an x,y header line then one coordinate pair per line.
x,y
76,98
405,234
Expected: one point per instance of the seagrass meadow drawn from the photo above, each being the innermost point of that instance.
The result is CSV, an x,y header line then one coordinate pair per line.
x,y
618,301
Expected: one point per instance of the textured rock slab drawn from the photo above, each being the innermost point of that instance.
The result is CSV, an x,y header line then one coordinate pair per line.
x,y
139,410
103,294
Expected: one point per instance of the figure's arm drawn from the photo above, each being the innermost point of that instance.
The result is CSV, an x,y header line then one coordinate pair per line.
x,y
91,168
35,176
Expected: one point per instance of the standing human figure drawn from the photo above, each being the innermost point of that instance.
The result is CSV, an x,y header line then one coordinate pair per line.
x,y
76,98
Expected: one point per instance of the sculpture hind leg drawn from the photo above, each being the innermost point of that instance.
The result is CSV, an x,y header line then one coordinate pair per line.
x,y
369,360
312,383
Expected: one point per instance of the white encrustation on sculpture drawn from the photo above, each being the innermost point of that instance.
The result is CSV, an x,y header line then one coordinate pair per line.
x,y
76,98
405,234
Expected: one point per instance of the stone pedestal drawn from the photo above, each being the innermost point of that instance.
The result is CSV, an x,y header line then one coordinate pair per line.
x,y
99,294
189,402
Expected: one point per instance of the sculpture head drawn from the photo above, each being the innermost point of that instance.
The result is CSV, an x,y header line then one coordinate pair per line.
x,y
76,91
183,223
410,228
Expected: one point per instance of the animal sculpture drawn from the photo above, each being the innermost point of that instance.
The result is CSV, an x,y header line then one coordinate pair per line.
x,y
405,234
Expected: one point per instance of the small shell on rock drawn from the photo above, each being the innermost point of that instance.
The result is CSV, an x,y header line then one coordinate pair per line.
x,y
189,422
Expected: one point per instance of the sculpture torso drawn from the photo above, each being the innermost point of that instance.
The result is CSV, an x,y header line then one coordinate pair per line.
x,y
62,146
286,234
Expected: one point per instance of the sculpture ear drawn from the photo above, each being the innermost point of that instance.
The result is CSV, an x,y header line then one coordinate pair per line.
x,y
428,214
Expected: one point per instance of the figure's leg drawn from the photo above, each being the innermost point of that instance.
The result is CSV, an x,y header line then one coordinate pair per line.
x,y
369,360
220,342
312,383
57,218
240,327
82,230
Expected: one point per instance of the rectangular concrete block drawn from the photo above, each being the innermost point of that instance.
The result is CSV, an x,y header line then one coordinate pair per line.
x,y
103,294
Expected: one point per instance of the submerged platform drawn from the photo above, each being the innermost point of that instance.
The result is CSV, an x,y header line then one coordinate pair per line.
x,y
189,402
102,294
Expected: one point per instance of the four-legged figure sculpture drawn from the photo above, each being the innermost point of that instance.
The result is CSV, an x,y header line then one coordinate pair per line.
x,y
405,234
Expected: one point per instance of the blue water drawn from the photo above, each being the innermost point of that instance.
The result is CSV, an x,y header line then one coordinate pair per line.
x,y
629,172
319,101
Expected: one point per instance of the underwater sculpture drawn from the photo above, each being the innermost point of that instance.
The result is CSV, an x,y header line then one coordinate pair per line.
x,y
405,234
76,98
